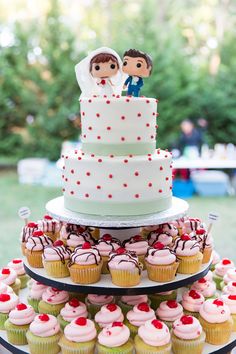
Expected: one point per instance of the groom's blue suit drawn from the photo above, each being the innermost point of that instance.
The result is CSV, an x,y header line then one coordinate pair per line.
x,y
133,87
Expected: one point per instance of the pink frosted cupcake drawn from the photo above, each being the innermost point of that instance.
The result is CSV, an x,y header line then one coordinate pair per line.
x,y
215,259
170,228
188,254
34,248
205,287
72,310
161,263
107,244
4,288
53,300
95,302
9,277
8,302
127,302
50,227
192,300
230,301
35,294
138,316
179,224
229,277
138,245
26,232
153,337
169,311
79,337
216,321
18,266
56,259
190,225
230,288
44,334
18,323
76,238
221,269
187,336
159,235
206,243
108,314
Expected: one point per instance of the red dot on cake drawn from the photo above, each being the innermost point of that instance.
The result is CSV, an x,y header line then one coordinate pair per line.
x,y
153,113
98,137
147,125
110,175
122,138
126,161
139,114
72,192
92,155
108,102
138,137
136,195
88,173
110,196
123,117
66,179
63,189
161,168
160,191
167,178
84,135
97,115
136,173
72,171
83,113
79,158
86,195
90,128
150,184
152,136
125,185
99,160
90,100
170,187
111,156
127,100
78,182
147,101
108,128
98,187
149,159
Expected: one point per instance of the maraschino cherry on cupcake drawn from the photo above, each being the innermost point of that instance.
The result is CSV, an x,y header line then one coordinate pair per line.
x,y
56,258
9,277
108,314
206,287
221,269
18,266
76,238
107,244
192,301
169,311
72,310
26,232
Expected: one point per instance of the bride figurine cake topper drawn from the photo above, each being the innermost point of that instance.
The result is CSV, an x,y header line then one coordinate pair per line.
x,y
100,73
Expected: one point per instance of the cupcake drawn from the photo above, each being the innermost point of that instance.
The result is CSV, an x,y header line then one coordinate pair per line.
x,y
170,228
205,287
50,227
8,276
67,229
27,231
192,301
153,337
18,323
138,316
85,264
216,321
187,336
115,340
230,301
169,311
191,225
78,238
8,302
127,302
215,259
159,235
125,268
161,263
158,298
188,254
105,245
138,245
35,294
230,276
53,300
79,337
34,248
4,288
44,334
108,314
206,243
18,266
55,259
230,288
221,269
72,310
95,302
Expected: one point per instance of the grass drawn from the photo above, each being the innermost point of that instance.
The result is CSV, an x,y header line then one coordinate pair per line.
x,y
13,196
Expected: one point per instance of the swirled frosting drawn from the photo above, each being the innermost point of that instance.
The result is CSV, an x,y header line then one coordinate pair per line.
x,y
124,260
205,240
78,238
215,311
73,309
136,244
49,224
107,244
44,325
205,287
179,223
223,266
37,243
140,314
54,296
169,310
170,228
114,336
155,333
8,276
159,235
8,302
108,314
191,224
4,288
230,301
185,246
80,330
230,275
18,266
56,253
100,299
160,254
85,255
192,300
27,231
68,228
21,315
230,288
36,290
187,327
134,299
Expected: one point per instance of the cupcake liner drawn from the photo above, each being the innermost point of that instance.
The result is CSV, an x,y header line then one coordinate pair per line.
x,y
143,348
68,347
3,318
23,248
16,334
95,233
133,329
126,348
16,286
39,345
105,270
234,321
44,307
217,333
125,278
161,273
62,322
207,255
85,274
34,258
23,280
156,299
222,284
190,264
217,279
56,269
186,346
34,303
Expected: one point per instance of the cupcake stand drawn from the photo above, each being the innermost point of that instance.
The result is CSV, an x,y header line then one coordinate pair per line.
x,y
56,209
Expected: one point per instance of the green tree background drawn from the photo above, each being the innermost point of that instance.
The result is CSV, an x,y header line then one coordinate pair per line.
x,y
192,43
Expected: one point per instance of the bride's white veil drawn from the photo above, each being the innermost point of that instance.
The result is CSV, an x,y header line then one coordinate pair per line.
x,y
85,80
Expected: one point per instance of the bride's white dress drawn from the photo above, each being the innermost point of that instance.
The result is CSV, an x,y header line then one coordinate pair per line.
x,y
105,88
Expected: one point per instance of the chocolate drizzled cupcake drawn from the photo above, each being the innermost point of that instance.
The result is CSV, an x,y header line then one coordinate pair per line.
x,y
159,235
26,232
56,258
78,238
50,227
34,248
107,244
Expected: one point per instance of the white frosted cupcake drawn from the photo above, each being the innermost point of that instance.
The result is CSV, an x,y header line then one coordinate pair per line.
x,y
230,288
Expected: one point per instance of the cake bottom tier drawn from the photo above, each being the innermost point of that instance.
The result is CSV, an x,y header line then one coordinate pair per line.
x,y
118,185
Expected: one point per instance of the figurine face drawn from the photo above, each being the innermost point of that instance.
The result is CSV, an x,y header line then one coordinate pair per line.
x,y
104,70
135,67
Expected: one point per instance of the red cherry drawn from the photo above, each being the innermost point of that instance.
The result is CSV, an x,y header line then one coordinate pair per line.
x,y
107,237
172,304
111,307
200,231
32,225
55,289
159,230
143,306
6,271
120,250
202,280
226,261
158,245
47,217
186,320
38,233
218,302
232,297
44,317
21,307
16,261
117,324
4,297
157,324
74,302
185,237
137,238
58,243
234,283
81,321
194,294
86,246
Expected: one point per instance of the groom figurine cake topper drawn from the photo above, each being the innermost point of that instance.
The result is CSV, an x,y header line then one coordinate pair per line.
x,y
137,65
